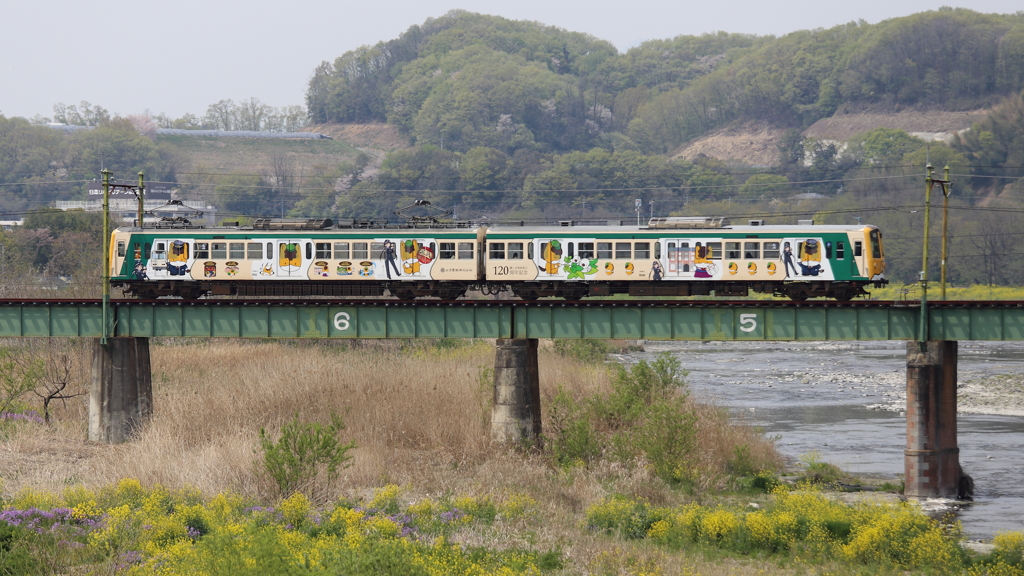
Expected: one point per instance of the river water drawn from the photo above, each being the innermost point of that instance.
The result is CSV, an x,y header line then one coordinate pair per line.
x,y
846,401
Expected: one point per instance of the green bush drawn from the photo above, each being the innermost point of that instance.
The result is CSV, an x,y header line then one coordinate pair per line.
x,y
302,450
573,438
818,471
583,350
14,556
645,414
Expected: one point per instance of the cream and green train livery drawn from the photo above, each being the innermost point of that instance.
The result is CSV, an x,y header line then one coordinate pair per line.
x,y
315,262
668,257
684,257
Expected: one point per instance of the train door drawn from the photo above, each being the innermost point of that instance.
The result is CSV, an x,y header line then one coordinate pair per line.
x,y
550,257
680,257
579,258
291,255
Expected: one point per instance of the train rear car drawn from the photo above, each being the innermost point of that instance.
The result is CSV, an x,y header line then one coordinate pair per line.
x,y
685,257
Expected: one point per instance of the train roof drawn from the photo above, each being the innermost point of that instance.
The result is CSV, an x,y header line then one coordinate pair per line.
x,y
795,230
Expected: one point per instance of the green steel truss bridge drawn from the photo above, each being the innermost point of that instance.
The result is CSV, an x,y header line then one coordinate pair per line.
x,y
603,319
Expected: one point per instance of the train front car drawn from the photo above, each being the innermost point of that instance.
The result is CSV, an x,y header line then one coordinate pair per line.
x,y
311,257
685,257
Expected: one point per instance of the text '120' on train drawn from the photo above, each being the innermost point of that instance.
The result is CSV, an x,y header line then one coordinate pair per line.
x,y
667,257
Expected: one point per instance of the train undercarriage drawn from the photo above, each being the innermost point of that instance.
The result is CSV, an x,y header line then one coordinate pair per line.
x,y
524,290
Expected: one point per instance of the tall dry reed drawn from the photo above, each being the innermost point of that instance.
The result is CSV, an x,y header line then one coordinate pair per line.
x,y
419,414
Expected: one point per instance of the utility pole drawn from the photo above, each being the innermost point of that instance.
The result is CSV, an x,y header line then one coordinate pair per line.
x,y
140,195
946,185
106,256
923,324
638,203
108,323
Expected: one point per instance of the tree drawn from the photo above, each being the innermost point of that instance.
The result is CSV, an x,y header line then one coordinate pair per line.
x,y
17,378
248,195
254,115
221,115
759,184
884,146
117,146
60,365
87,115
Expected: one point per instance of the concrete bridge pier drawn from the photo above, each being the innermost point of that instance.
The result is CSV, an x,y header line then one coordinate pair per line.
x,y
932,458
121,397
515,416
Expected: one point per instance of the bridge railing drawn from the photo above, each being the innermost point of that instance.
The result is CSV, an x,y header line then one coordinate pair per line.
x,y
649,320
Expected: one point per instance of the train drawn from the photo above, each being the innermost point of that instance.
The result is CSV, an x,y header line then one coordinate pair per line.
x,y
670,256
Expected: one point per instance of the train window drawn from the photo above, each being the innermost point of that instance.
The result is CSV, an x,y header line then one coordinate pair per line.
x,y
529,250
341,251
323,249
857,248
309,250
771,250
841,250
751,250
604,250
496,251
642,250
202,250
515,250
572,246
465,250
270,250
714,250
657,250
377,250
120,248
447,251
732,250
622,250
586,250
828,249
219,251
147,250
359,251
236,250
876,244
255,250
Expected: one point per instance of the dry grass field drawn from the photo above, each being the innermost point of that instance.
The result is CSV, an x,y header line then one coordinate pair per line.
x,y
419,414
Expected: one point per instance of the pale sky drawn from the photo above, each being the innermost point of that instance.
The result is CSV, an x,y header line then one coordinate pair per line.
x,y
180,56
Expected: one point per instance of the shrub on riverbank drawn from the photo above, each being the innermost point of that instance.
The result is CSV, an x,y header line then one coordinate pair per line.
x,y
809,527
646,417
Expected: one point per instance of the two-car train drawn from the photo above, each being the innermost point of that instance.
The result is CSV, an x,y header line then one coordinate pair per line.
x,y
668,257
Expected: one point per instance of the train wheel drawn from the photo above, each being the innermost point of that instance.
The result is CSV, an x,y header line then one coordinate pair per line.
x,y
797,294
402,293
450,293
575,293
525,293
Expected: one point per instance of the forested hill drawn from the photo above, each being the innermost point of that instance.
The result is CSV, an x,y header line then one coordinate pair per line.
x,y
466,80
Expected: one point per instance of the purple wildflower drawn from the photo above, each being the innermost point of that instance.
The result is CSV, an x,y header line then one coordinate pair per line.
x,y
30,416
126,559
452,515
